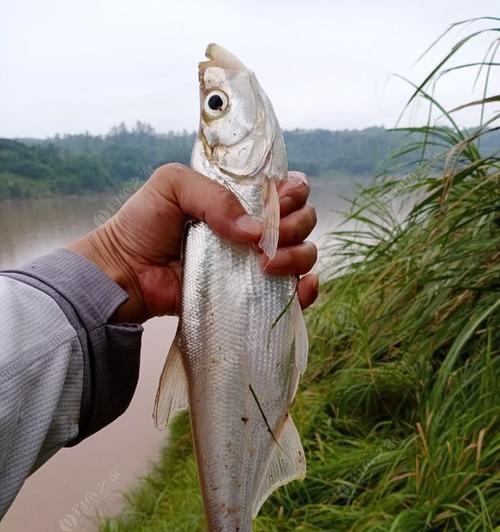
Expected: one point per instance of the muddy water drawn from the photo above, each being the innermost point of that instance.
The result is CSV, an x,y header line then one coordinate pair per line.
x,y
80,483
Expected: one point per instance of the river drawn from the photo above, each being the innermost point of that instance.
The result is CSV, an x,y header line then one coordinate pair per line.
x,y
80,483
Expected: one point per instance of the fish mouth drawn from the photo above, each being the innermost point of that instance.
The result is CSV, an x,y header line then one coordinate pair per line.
x,y
220,57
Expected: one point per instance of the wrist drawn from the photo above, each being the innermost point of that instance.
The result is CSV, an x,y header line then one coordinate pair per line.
x,y
102,248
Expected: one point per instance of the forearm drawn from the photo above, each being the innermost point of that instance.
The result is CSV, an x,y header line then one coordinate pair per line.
x,y
65,371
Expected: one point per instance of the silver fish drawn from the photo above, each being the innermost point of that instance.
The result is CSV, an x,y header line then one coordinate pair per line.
x,y
241,343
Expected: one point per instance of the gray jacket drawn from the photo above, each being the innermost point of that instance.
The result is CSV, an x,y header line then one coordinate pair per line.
x,y
65,372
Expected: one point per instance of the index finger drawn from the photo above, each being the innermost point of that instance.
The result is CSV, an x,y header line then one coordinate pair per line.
x,y
293,192
193,195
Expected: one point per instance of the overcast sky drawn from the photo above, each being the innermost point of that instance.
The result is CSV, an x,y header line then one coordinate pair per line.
x,y
75,66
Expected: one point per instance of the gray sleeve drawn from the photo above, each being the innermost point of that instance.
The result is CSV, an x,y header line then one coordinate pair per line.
x,y
64,371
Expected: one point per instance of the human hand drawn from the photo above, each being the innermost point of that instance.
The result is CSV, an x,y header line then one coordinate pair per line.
x,y
139,248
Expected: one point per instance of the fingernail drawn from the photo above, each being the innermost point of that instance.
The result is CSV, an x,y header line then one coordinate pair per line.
x,y
249,225
299,176
292,184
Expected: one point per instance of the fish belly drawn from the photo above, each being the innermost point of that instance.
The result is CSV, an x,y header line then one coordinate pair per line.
x,y
237,344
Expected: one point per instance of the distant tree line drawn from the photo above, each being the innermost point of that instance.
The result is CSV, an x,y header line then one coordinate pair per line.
x,y
82,164
44,169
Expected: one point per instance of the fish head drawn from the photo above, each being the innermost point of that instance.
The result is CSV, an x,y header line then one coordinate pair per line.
x,y
239,132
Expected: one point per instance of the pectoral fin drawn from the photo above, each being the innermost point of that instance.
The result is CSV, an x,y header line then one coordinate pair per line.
x,y
270,234
172,394
287,463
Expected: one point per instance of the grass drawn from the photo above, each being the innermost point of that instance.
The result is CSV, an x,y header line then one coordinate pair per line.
x,y
399,410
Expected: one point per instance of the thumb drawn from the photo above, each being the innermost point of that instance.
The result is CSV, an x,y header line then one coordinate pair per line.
x,y
199,197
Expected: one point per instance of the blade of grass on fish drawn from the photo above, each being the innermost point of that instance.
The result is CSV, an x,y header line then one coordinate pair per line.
x,y
282,313
254,395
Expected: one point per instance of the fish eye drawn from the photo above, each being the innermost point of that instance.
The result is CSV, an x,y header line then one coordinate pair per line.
x,y
216,103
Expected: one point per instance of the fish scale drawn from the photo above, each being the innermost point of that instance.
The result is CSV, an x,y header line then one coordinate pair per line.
x,y
240,362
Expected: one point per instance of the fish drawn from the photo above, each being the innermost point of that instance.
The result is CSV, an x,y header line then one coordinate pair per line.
x,y
241,343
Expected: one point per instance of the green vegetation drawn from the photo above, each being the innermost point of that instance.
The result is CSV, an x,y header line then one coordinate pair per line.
x,y
35,171
399,409
82,164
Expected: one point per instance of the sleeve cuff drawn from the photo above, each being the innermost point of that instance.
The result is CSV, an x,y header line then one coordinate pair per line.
x,y
111,352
